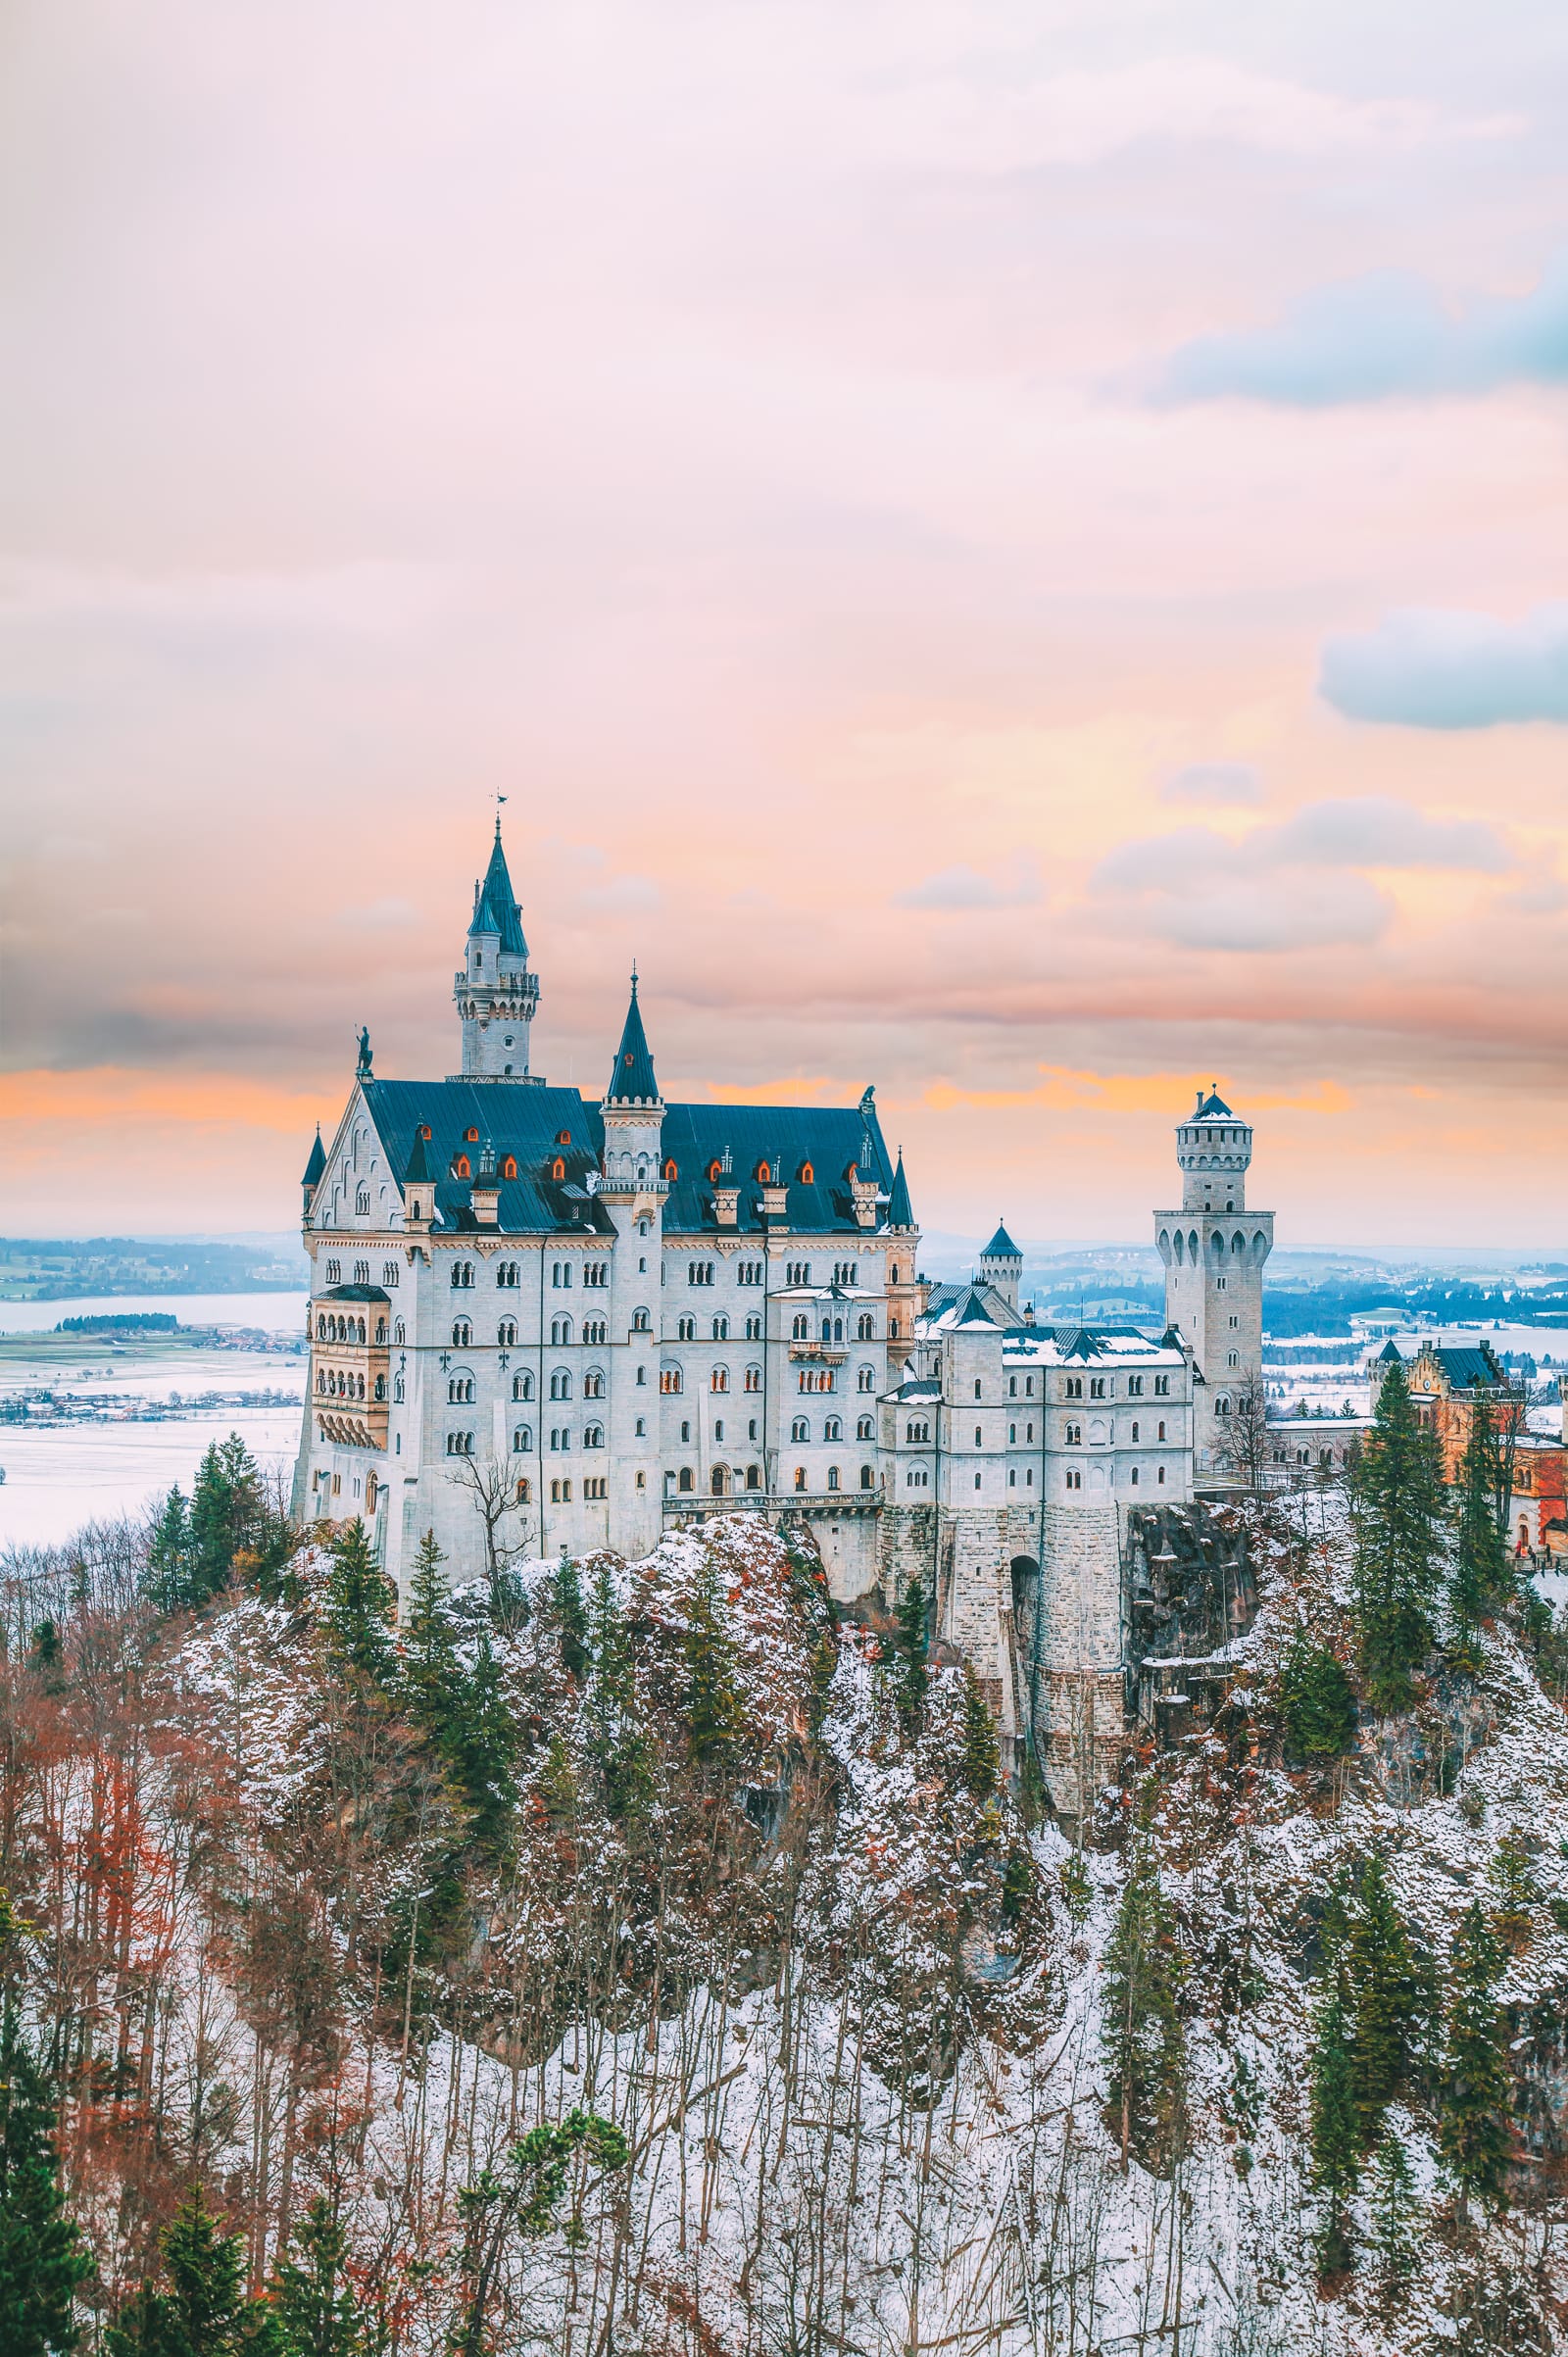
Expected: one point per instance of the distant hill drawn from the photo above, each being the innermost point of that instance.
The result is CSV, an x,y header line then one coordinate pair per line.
x,y
38,1269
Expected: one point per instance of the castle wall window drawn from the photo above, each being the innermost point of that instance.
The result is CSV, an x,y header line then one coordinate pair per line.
x,y
832,1477
389,1274
864,1429
918,1478
522,1387
892,1329
462,1275
1013,1478
361,1272
800,1430
799,1330
1233,1358
639,1427
753,1477
685,1434
461,1333
596,1272
1160,1433
1075,1435
593,1384
865,1379
798,1272
522,1440
684,1482
397,1394
594,1330
1135,1387
561,1492
460,1169
669,1379
753,1379
561,1437
699,1272
799,1477
561,1275
334,1272
525,1489
1162,1474
560,1332
918,1434
1097,1387
593,1436
1073,1387
507,1333
686,1330
506,1274
749,1273
979,1438
1161,1386
1135,1432
1012,1435
560,1384
833,1429
753,1329
721,1329
361,1202
1074,1480
867,1477
397,1331
460,1444
459,1389
640,1323
866,1327
598,1485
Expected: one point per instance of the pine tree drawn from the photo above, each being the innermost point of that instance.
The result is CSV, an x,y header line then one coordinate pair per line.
x,y
1481,1577
1397,1505
567,1593
200,2310
167,1582
1474,2108
431,1671
41,2255
1388,1998
318,2310
1393,2207
1143,2040
480,1740
717,1712
359,1606
911,1673
1513,1879
1336,2129
1316,1704
979,1759
617,1744
226,1514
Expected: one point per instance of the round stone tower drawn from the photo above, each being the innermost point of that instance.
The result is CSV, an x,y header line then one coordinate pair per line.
x,y
1214,1248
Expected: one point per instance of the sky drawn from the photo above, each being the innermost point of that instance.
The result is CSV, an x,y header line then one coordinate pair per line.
x,y
1013,551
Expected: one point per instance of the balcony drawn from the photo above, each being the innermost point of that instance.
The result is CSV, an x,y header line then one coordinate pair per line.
x,y
342,1389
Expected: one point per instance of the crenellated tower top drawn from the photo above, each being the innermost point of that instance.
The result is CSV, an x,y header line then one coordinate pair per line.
x,y
1214,1147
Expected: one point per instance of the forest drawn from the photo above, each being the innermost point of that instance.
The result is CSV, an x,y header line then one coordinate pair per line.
x,y
650,1958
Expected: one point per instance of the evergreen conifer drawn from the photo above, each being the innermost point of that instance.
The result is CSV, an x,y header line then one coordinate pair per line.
x,y
912,1674
1481,1579
1513,1879
358,1609
167,1582
1335,2128
480,1740
200,2309
41,2255
1393,2207
1316,1704
431,1669
979,1757
1141,2037
317,2311
615,1741
1397,1505
566,1592
1474,2109
1388,1995
227,1515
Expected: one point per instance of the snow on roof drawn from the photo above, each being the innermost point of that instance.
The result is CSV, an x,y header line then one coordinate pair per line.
x,y
1071,1346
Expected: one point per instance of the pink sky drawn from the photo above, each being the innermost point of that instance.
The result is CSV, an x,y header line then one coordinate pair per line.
x,y
1018,553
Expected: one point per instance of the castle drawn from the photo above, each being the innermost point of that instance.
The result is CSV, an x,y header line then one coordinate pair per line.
x,y
542,1322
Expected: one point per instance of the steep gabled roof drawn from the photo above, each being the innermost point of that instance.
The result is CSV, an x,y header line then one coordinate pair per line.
x,y
632,1080
1389,1355
1001,1247
419,1169
900,1215
316,1164
826,1140
495,908
536,1127
1213,1107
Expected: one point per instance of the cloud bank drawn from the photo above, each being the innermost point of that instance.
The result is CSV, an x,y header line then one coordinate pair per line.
x,y
1427,668
1385,335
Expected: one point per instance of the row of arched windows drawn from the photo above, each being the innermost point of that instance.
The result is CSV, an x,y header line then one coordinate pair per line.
x,y
832,1429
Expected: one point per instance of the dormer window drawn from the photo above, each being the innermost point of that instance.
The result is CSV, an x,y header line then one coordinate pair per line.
x,y
558,1169
460,1168
765,1175
509,1166
473,1136
562,1137
671,1173
808,1175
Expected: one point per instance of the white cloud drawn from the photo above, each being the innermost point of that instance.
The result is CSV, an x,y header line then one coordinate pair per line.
x,y
963,887
1427,667
1235,782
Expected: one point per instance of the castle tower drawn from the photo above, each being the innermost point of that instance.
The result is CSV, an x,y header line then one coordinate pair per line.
x,y
906,1294
1214,1248
1001,1265
632,1187
495,993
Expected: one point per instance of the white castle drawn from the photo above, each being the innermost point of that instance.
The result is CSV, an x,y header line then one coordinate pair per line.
x,y
589,1322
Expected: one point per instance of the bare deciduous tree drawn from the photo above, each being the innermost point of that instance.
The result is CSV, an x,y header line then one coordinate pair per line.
x,y
507,1525
1245,1446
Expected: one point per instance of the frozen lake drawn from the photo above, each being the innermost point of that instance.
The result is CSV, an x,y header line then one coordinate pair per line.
x,y
59,1476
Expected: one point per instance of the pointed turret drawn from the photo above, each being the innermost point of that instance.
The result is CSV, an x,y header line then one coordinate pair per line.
x,y
313,1171
496,994
418,1187
632,1081
900,1215
1001,1265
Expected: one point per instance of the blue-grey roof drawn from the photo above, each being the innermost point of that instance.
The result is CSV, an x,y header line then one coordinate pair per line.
x,y
1467,1366
826,1139
495,906
537,1127
1001,1247
1213,1107
900,1215
632,1078
316,1164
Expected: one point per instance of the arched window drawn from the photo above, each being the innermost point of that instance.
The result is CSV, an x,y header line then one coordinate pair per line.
x,y
718,1480
721,1329
507,1275
560,1332
593,1384
833,1429
509,1166
683,1479
868,1478
461,1274
892,1329
669,1379
522,1387
865,1330
461,1333
753,1379
719,1380
380,1387
640,1323
558,1169
808,1175
397,1331
800,1430
381,1329
799,1477
507,1333
753,1477
865,1430
799,1330
460,1168
1160,1435
672,1174
832,1477
473,1136
1162,1474
560,1384
522,1440
593,1436
765,1175
389,1273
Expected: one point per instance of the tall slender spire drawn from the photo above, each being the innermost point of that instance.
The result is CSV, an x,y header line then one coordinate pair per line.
x,y
632,1080
900,1215
495,903
495,993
